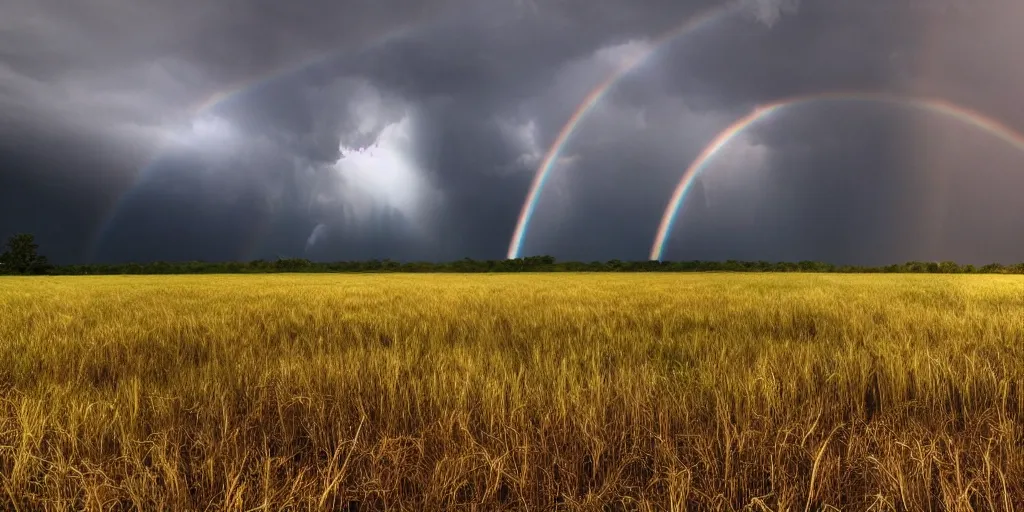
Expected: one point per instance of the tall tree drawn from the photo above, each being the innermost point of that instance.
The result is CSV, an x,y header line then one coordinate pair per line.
x,y
22,256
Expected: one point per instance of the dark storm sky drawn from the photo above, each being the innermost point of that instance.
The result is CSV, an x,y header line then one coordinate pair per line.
x,y
411,129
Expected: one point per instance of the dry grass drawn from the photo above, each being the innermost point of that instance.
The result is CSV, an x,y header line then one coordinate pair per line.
x,y
485,392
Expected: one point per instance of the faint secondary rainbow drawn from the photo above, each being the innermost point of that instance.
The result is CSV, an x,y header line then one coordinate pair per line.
x,y
939,106
543,171
235,89
241,86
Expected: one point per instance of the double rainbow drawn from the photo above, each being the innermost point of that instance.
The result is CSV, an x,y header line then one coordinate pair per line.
x,y
592,98
938,106
544,170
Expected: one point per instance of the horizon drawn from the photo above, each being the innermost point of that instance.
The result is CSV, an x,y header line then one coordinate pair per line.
x,y
441,129
22,257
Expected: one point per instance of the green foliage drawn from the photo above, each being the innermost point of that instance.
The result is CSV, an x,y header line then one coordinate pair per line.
x,y
22,257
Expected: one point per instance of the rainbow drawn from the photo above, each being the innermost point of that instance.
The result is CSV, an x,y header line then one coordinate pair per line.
x,y
544,170
241,86
939,106
235,89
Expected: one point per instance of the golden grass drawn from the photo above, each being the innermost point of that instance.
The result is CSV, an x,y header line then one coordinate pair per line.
x,y
490,392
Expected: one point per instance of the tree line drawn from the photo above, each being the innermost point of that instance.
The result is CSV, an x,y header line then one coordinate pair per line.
x,y
21,257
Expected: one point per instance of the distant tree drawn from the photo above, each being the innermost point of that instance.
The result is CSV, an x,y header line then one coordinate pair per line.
x,y
992,268
950,267
22,256
296,264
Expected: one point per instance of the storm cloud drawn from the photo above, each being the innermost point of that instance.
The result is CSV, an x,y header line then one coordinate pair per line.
x,y
412,129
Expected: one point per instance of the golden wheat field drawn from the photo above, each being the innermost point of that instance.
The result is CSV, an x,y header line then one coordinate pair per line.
x,y
512,392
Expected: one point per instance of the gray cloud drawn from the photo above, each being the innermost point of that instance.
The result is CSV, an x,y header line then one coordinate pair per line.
x,y
411,129
769,11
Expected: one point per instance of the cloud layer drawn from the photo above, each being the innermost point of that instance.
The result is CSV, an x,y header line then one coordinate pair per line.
x,y
412,129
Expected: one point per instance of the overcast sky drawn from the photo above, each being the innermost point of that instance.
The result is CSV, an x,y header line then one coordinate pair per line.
x,y
135,130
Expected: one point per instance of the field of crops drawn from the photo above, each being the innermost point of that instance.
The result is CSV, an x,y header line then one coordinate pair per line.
x,y
512,392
